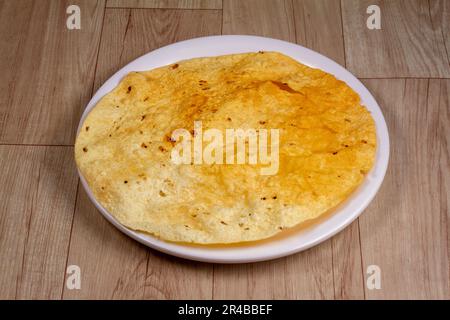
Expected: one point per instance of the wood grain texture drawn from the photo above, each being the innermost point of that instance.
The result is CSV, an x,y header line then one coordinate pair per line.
x,y
138,272
407,45
318,27
347,264
404,231
37,194
440,18
47,70
165,4
174,278
130,33
113,266
306,275
267,18
444,172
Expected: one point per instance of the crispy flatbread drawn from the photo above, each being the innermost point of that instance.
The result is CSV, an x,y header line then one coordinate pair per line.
x,y
327,144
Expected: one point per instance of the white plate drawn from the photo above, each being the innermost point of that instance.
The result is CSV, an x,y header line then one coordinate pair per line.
x,y
278,247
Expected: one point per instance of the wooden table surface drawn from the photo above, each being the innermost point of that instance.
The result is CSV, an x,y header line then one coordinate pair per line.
x,y
48,74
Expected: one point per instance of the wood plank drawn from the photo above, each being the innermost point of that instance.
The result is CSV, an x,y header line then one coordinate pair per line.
x,y
174,278
444,165
47,70
139,272
404,231
347,263
306,275
129,34
112,265
440,17
96,246
259,17
37,198
407,45
318,27
166,4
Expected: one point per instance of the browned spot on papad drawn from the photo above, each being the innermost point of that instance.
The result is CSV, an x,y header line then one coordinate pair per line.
x,y
169,139
284,86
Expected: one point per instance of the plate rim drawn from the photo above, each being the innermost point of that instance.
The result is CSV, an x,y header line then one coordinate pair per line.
x,y
254,252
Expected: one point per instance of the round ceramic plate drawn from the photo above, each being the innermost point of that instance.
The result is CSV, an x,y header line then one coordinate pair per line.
x,y
294,241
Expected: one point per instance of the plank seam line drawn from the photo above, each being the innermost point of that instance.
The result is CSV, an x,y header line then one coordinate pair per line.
x,y
362,262
213,281
78,180
98,49
36,145
137,8
295,25
147,255
442,187
401,78
332,269
221,24
19,279
70,237
125,36
342,32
